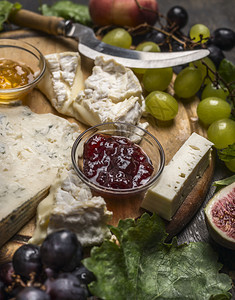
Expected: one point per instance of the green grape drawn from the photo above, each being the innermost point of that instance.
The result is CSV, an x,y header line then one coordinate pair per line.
x,y
230,165
118,37
147,47
212,109
157,79
161,105
188,82
222,133
199,33
203,68
210,90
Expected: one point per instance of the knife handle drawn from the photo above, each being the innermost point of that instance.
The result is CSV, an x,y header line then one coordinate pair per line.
x,y
49,24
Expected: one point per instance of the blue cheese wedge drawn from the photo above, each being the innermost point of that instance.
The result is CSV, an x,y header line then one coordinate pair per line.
x,y
178,177
32,149
71,205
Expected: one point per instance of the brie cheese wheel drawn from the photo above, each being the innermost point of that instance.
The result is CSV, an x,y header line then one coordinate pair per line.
x,y
178,177
71,205
63,80
111,93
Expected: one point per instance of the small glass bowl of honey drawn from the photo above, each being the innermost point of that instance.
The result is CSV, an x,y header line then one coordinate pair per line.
x,y
22,66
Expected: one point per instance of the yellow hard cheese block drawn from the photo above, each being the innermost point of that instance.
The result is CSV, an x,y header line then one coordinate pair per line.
x,y
178,177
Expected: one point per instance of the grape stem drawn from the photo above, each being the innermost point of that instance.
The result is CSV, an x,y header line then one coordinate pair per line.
x,y
218,79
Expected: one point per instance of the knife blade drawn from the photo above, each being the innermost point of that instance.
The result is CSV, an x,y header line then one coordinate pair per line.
x,y
91,47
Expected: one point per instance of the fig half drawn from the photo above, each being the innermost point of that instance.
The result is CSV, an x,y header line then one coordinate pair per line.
x,y
220,216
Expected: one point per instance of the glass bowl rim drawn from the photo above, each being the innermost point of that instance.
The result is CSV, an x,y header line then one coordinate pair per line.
x,y
103,189
21,47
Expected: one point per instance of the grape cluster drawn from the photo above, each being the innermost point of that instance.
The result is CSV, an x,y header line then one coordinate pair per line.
x,y
170,37
216,109
52,271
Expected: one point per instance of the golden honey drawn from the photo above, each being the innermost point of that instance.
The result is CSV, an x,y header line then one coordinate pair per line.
x,y
14,74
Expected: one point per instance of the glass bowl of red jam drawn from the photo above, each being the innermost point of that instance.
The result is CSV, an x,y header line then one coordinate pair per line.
x,y
117,160
22,66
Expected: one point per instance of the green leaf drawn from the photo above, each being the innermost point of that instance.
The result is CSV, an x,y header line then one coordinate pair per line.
x,y
227,72
224,296
69,11
224,182
6,8
227,154
141,266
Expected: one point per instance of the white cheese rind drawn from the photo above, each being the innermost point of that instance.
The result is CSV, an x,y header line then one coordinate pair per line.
x,y
32,149
71,205
63,80
111,93
178,177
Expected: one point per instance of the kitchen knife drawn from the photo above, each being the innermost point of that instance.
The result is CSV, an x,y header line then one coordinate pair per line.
x,y
91,47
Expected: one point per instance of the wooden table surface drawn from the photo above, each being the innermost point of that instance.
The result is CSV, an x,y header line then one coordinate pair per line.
x,y
214,14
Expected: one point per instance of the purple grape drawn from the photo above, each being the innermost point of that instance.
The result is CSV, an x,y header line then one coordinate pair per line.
x,y
2,291
61,250
224,38
83,274
6,271
26,260
156,37
65,287
32,293
177,15
177,46
15,291
216,54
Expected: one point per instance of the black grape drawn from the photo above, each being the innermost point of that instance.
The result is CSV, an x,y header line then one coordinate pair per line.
x,y
216,54
83,274
2,291
6,271
26,260
61,250
155,36
75,261
66,286
177,15
224,38
177,46
32,293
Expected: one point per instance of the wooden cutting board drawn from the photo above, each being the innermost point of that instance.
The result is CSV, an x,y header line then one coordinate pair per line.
x,y
171,135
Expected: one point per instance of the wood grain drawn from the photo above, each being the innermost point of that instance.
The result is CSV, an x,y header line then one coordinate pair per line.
x,y
171,135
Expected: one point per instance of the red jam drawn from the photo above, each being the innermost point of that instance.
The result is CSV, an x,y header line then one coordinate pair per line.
x,y
115,162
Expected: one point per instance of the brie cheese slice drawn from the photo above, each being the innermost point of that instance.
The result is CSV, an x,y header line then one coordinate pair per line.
x,y
71,205
63,80
111,93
